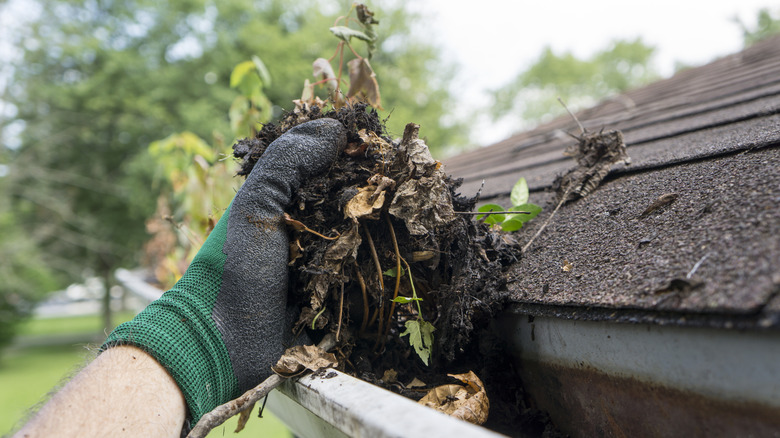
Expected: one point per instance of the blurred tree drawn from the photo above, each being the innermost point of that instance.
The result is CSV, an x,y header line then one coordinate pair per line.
x,y
25,275
766,25
533,94
98,80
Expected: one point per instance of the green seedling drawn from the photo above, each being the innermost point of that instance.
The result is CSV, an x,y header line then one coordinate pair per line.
x,y
419,330
508,221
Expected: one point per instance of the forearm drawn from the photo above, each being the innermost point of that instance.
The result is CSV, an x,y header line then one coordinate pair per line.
x,y
124,392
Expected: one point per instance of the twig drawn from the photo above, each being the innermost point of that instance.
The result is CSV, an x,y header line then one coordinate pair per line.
x,y
381,282
362,283
223,412
302,227
582,129
477,213
397,275
341,310
547,222
696,266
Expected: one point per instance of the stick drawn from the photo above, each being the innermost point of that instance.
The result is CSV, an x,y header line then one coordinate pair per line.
x,y
397,276
223,412
476,213
365,296
547,222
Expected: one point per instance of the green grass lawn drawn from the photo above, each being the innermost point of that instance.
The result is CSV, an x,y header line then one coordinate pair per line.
x,y
28,373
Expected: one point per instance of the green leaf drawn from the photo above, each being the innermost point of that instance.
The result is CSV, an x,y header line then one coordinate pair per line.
x,y
493,218
406,300
345,33
519,192
420,337
533,209
392,273
239,72
512,224
265,76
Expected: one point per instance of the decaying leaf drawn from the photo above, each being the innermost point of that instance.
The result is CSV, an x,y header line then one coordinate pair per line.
x,y
374,141
423,201
300,358
417,154
416,383
362,82
366,204
595,154
321,68
390,376
336,255
296,251
469,403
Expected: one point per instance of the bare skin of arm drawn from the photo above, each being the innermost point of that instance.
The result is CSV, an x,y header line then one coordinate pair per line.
x,y
123,392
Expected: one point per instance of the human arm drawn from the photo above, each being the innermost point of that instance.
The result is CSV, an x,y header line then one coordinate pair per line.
x,y
123,392
221,327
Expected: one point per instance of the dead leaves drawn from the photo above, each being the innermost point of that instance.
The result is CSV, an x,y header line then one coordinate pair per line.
x,y
344,248
469,402
595,154
300,358
423,200
362,82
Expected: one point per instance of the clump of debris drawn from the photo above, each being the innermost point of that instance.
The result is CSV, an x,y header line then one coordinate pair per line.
x,y
382,257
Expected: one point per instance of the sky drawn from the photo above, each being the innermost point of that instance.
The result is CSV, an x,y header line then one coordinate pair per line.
x,y
494,40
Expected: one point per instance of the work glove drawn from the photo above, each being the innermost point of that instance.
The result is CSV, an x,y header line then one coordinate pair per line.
x,y
222,326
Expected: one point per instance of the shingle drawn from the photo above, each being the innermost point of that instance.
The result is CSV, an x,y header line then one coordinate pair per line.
x,y
710,135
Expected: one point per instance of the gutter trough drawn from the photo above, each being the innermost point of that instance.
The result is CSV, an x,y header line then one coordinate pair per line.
x,y
636,380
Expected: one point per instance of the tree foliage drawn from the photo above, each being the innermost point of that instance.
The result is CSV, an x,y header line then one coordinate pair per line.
x,y
766,25
533,94
99,80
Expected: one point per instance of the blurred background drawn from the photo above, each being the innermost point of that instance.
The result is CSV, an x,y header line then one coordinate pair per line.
x,y
117,119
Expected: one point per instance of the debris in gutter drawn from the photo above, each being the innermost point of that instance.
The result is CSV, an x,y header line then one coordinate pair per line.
x,y
469,402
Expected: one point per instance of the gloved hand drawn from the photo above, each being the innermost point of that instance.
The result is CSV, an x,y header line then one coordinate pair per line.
x,y
222,326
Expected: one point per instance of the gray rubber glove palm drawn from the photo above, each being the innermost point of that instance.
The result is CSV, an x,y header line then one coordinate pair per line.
x,y
223,325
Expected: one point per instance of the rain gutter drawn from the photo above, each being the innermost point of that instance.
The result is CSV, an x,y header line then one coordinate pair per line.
x,y
620,379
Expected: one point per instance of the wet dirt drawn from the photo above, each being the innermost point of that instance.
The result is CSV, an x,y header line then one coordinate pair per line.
x,y
387,204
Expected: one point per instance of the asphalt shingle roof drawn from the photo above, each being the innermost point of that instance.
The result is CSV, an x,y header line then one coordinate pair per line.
x,y
709,135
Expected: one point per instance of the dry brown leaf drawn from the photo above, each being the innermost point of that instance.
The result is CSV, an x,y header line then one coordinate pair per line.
x,y
296,251
374,141
390,376
416,383
423,201
469,403
300,358
335,256
321,67
362,80
362,206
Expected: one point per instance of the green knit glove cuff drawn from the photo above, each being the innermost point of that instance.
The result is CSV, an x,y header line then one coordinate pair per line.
x,y
179,332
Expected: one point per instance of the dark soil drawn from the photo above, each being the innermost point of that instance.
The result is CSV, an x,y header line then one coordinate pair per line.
x,y
457,264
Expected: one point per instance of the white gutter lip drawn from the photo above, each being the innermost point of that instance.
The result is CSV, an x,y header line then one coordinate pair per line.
x,y
359,409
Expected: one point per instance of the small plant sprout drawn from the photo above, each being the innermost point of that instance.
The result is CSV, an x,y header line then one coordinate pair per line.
x,y
524,211
419,330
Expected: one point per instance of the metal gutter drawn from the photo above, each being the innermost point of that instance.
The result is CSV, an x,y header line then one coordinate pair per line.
x,y
334,404
614,379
